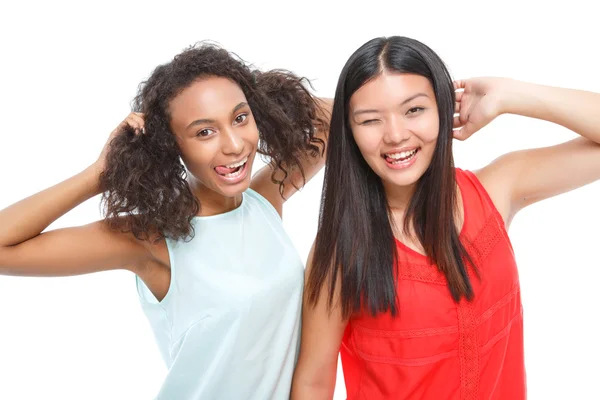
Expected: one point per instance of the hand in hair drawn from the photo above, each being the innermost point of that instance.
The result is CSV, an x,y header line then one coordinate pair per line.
x,y
134,123
477,104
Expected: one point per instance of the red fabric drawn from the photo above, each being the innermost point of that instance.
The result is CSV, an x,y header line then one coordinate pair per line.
x,y
437,348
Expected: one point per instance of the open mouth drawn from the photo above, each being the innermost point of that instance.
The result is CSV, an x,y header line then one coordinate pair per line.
x,y
232,170
401,157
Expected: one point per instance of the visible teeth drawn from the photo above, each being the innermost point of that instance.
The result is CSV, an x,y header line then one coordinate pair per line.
x,y
233,174
237,164
403,154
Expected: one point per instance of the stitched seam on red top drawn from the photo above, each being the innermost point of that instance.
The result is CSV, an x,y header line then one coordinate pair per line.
x,y
498,305
468,351
482,192
497,337
479,248
486,239
422,279
407,362
420,272
410,333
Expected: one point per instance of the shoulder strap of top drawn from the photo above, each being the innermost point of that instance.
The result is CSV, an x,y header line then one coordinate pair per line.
x,y
477,202
264,203
481,215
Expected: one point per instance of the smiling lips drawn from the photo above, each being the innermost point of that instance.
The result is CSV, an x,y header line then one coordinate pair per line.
x,y
231,170
401,159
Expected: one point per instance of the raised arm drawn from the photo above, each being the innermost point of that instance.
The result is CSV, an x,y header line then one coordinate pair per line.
x,y
26,251
311,164
524,177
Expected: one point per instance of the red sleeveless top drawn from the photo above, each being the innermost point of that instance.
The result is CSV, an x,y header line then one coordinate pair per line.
x,y
436,348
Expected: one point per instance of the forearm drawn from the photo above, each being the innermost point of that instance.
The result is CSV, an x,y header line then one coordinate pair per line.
x,y
326,107
576,110
311,164
307,392
29,217
317,387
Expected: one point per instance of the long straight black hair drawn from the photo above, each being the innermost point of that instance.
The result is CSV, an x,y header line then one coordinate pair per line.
x,y
355,245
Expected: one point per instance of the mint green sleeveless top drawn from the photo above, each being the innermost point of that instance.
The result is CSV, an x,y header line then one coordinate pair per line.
x,y
229,326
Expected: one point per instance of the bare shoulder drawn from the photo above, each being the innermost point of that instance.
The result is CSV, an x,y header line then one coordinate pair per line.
x,y
498,179
145,252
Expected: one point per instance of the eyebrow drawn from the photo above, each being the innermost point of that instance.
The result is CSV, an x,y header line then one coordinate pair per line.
x,y
408,100
212,121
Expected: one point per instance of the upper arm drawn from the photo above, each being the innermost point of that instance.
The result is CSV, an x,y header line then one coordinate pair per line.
x,y
524,177
73,251
322,332
263,183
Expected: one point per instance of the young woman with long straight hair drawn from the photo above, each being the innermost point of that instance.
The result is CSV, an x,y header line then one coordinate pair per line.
x,y
412,276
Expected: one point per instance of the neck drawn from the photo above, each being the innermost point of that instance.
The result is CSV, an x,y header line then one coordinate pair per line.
x,y
211,202
398,197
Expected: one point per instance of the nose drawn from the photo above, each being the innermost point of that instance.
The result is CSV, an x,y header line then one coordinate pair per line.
x,y
395,131
232,143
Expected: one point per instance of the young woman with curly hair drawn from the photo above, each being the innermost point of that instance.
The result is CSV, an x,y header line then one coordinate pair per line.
x,y
218,278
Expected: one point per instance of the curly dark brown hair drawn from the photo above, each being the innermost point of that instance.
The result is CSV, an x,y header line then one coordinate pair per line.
x,y
144,185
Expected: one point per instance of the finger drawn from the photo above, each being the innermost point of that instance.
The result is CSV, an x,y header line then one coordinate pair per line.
x,y
459,84
136,129
458,96
457,123
139,121
141,124
460,134
135,124
457,107
465,132
138,116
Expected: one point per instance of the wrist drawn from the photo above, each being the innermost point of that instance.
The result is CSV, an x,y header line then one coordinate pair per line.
x,y
508,96
91,176
516,97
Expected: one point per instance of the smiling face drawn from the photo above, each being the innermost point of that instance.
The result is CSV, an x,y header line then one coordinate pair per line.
x,y
395,123
216,134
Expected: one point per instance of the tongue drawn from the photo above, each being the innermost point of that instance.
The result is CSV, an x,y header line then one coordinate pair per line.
x,y
224,170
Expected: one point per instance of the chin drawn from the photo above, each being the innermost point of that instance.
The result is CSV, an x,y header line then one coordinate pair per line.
x,y
401,182
404,178
235,190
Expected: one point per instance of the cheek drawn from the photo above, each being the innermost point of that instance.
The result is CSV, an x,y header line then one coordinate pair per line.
x,y
250,132
428,130
197,157
367,142
253,137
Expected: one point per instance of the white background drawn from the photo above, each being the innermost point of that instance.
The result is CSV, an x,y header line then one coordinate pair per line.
x,y
69,71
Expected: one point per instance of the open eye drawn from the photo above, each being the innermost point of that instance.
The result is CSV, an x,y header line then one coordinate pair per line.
x,y
414,110
241,118
205,132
